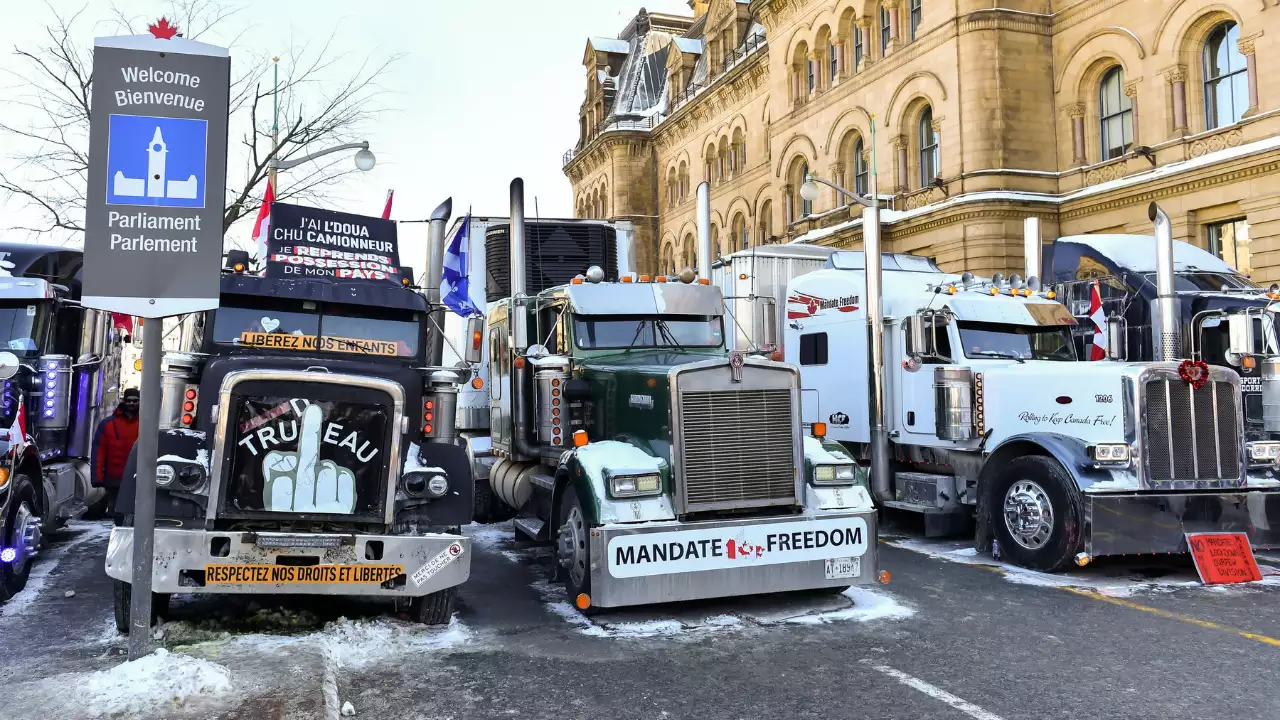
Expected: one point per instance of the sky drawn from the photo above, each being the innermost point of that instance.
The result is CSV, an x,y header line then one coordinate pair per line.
x,y
486,90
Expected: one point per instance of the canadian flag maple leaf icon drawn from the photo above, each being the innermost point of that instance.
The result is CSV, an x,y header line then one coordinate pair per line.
x,y
163,29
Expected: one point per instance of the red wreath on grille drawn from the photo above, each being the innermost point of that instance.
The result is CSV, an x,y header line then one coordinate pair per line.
x,y
1194,372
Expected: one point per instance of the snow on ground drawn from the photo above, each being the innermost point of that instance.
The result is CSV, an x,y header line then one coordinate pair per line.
x,y
498,538
356,644
1107,578
46,562
867,605
159,683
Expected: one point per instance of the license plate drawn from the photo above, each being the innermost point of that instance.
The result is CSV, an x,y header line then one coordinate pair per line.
x,y
310,575
839,568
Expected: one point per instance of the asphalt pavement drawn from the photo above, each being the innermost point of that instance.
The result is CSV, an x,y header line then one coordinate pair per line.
x,y
954,635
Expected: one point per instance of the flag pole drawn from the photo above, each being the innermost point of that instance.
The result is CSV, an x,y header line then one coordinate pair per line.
x,y
275,119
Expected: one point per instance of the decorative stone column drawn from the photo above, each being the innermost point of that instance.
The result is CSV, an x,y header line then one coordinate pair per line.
x,y
1176,76
1246,46
899,143
789,198
1131,92
1076,111
892,7
868,47
838,177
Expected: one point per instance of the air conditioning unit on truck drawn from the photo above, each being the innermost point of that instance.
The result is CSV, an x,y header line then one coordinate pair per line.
x,y
754,283
988,414
60,372
563,249
1221,316
306,443
661,466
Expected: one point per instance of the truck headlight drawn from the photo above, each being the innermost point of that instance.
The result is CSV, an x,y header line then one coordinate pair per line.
x,y
1117,453
165,475
437,486
1263,453
834,475
623,486
191,478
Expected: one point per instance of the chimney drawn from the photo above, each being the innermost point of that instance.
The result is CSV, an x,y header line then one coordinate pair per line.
x,y
519,273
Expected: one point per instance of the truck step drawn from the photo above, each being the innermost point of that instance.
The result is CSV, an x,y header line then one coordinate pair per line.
x,y
531,528
938,522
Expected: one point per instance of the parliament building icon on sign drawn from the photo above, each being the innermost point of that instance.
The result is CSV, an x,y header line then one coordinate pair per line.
x,y
158,162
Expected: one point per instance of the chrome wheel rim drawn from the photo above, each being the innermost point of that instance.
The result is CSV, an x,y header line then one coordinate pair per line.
x,y
573,546
1028,514
25,537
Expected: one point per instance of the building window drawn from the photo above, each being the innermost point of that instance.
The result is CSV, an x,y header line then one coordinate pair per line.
x,y
884,31
813,80
806,206
1230,241
915,17
1116,115
928,148
765,221
857,47
861,172
1226,78
813,349
833,61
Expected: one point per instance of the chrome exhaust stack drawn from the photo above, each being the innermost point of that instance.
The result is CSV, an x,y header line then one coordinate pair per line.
x,y
435,270
1033,249
881,482
1166,309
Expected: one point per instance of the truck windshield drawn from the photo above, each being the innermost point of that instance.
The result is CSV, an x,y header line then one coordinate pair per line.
x,y
1203,281
1016,342
337,329
600,332
21,328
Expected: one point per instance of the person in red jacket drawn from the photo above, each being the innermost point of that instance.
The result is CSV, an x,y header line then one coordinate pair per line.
x,y
113,442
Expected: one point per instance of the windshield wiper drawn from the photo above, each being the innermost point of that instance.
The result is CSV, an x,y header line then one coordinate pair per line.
x,y
999,354
668,334
636,337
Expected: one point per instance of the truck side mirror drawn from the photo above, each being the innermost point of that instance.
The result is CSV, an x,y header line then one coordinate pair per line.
x,y
921,334
1117,333
9,365
1240,337
768,315
475,340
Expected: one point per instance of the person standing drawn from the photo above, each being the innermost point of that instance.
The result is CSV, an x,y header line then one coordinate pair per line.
x,y
112,444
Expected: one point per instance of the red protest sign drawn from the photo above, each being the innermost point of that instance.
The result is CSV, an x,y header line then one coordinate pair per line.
x,y
1223,558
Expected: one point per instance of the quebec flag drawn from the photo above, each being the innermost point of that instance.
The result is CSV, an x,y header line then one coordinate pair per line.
x,y
453,285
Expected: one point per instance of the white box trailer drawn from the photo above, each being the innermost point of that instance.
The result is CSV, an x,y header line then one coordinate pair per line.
x,y
754,283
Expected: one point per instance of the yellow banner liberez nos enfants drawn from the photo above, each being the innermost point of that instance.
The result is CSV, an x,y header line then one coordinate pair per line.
x,y
283,341
290,575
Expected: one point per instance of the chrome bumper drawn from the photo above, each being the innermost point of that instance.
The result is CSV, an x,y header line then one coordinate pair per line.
x,y
1156,522
620,575
181,557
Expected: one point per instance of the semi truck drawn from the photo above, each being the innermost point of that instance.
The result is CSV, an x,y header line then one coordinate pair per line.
x,y
661,466
564,248
1223,318
988,417
60,369
306,448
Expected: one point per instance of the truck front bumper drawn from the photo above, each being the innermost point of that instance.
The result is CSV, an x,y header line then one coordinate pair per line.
x,y
1153,522
640,564
430,562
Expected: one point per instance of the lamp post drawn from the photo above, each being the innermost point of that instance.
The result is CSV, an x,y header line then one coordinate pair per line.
x,y
880,484
365,159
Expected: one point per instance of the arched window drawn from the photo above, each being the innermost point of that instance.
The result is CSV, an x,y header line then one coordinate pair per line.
x,y
1115,112
928,148
833,63
857,47
687,257
884,31
739,149
861,173
915,17
764,222
1226,79
740,236
715,241
813,76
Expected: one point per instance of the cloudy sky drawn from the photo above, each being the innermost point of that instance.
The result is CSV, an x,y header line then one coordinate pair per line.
x,y
486,90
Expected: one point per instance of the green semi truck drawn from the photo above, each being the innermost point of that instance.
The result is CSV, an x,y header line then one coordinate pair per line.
x,y
660,465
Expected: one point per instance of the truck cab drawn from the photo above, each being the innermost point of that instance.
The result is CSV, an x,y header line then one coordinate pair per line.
x,y
60,367
299,452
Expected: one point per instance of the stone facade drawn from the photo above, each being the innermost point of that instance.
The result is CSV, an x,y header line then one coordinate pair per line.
x,y
966,117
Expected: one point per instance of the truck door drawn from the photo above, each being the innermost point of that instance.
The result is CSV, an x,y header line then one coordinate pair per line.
x,y
918,403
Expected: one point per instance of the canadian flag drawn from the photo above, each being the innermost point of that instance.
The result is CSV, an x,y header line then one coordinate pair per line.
x,y
1099,318
262,226
18,433
386,210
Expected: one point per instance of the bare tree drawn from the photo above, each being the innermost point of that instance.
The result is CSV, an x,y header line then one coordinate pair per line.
x,y
323,98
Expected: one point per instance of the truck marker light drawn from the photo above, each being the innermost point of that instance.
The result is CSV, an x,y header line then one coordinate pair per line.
x,y
555,412
776,356
742,276
190,394
627,279
583,601
1051,294
1083,559
429,417
477,383
644,278
239,267
431,404
555,392
995,291
819,430
661,278
427,429
476,339
652,382
520,363
580,438
188,406
576,281
1248,362
555,382
885,577
187,419
703,281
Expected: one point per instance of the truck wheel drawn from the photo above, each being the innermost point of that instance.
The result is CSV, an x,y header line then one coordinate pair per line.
x,y
20,532
1037,514
573,546
123,603
434,609
482,503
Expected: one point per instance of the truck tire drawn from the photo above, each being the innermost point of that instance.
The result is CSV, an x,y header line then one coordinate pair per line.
x,y
434,609
123,593
573,546
1037,514
22,503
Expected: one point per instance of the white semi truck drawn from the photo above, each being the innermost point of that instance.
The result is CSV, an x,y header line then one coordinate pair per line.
x,y
987,415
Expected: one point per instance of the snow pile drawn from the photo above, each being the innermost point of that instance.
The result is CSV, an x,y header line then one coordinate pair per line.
x,y
868,605
160,681
358,644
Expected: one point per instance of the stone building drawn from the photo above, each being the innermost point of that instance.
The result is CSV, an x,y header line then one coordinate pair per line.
x,y
967,116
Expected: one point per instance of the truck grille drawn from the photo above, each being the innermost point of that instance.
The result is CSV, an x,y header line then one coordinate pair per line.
x,y
1191,434
738,449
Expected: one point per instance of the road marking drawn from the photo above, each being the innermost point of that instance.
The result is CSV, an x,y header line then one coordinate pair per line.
x,y
934,692
1264,639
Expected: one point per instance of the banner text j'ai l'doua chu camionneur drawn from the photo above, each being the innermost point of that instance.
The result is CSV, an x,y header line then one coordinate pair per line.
x,y
313,244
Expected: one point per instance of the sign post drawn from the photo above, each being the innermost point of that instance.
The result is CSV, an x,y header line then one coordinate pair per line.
x,y
153,222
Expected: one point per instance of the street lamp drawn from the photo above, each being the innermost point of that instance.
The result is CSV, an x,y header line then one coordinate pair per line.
x,y
365,159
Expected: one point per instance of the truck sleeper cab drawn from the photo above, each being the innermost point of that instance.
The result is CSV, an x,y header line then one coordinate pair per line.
x,y
990,416
296,457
